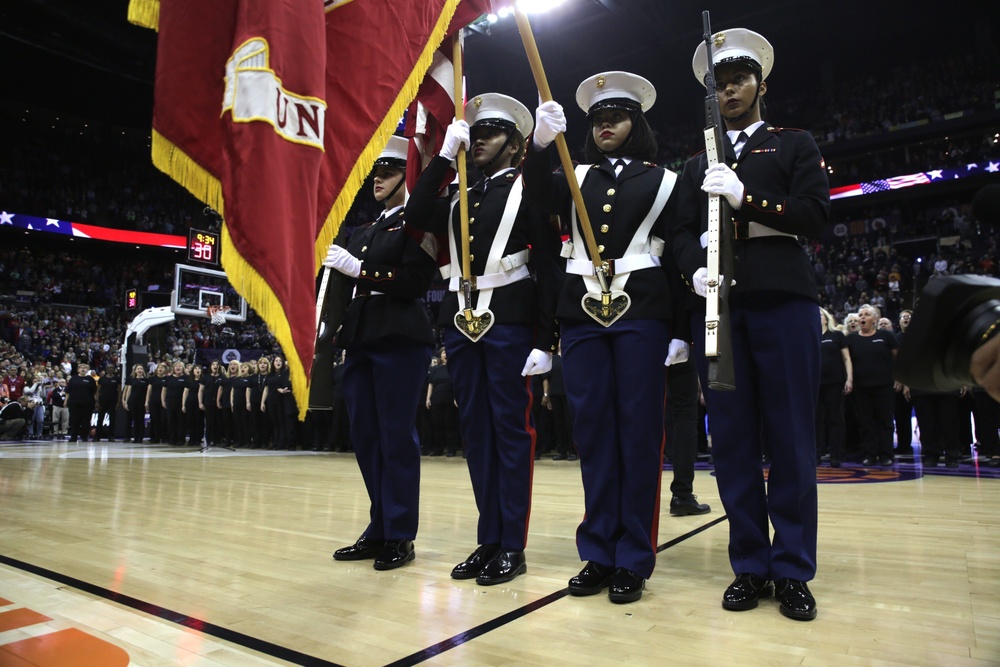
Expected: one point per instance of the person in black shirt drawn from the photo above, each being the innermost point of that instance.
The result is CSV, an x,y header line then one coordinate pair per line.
x,y
172,399
444,413
276,386
241,411
210,394
261,425
194,406
224,401
872,354
903,409
82,395
154,405
134,402
13,417
107,400
60,412
836,381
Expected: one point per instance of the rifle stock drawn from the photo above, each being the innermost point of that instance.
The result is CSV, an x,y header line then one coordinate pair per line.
x,y
718,342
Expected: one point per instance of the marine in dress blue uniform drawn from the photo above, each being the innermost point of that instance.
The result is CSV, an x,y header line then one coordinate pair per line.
x,y
776,183
508,242
388,339
613,371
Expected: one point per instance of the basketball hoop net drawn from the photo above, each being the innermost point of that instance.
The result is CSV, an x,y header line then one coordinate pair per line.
x,y
217,314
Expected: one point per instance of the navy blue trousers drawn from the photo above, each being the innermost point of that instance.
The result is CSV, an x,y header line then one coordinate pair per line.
x,y
776,343
494,406
383,383
615,383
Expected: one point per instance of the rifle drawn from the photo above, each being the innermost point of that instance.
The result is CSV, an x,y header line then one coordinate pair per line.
x,y
332,300
718,343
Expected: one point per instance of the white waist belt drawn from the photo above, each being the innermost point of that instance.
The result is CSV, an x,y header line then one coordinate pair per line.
x,y
585,267
493,280
756,230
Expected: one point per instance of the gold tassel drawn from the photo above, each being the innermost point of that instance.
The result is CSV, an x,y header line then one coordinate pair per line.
x,y
174,162
144,13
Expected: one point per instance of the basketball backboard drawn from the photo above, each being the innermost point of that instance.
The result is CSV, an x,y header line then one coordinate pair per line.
x,y
196,288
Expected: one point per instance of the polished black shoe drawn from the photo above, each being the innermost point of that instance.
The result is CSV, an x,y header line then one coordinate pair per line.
x,y
885,461
686,506
363,549
571,457
795,599
868,461
744,593
560,457
395,553
592,579
477,560
504,566
626,586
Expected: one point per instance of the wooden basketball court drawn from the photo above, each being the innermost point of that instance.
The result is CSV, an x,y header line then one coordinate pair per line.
x,y
114,554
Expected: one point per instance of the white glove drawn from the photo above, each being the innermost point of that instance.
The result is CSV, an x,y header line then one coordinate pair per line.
x,y
338,258
455,136
538,362
699,281
723,181
677,353
703,239
549,121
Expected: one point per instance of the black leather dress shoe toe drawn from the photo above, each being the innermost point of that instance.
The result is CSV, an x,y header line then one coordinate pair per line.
x,y
685,506
395,553
745,591
626,586
363,549
795,599
504,566
474,564
592,579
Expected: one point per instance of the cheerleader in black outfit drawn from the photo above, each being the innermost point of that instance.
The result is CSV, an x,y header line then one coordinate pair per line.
x,y
134,402
224,400
388,338
154,405
194,406
261,429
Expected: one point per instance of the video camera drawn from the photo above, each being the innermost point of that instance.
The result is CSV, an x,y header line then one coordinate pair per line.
x,y
955,316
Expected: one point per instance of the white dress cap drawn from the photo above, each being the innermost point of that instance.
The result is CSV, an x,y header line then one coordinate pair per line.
x,y
482,109
731,45
394,153
615,86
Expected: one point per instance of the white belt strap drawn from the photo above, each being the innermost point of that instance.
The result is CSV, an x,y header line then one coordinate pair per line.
x,y
643,250
497,273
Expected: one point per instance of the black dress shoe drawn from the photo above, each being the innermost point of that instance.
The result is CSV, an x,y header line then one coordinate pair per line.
x,y
795,599
477,560
592,579
885,461
363,549
626,586
559,457
395,553
868,461
504,566
686,506
745,591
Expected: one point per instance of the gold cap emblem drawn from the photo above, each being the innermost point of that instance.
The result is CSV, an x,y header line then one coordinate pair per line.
x,y
477,102
601,81
720,38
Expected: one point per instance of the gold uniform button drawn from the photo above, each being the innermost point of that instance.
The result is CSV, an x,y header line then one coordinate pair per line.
x,y
376,274
471,220
605,228
611,192
472,258
735,164
476,205
364,248
471,238
778,208
764,203
363,272
607,208
749,199
390,274
600,248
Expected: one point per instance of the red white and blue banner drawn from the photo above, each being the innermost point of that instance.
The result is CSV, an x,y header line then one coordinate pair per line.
x,y
919,178
31,223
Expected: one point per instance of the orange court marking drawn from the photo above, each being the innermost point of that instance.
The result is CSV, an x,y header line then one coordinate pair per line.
x,y
64,648
19,618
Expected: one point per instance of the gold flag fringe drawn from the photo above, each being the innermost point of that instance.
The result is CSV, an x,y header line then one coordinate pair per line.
x,y
145,13
177,164
362,167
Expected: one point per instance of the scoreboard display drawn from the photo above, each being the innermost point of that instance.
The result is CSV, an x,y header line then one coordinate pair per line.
x,y
203,247
131,298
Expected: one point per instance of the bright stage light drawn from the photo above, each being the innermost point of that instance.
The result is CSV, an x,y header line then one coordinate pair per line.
x,y
537,6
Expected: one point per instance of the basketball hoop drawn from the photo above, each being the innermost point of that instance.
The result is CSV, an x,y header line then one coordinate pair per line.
x,y
217,314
